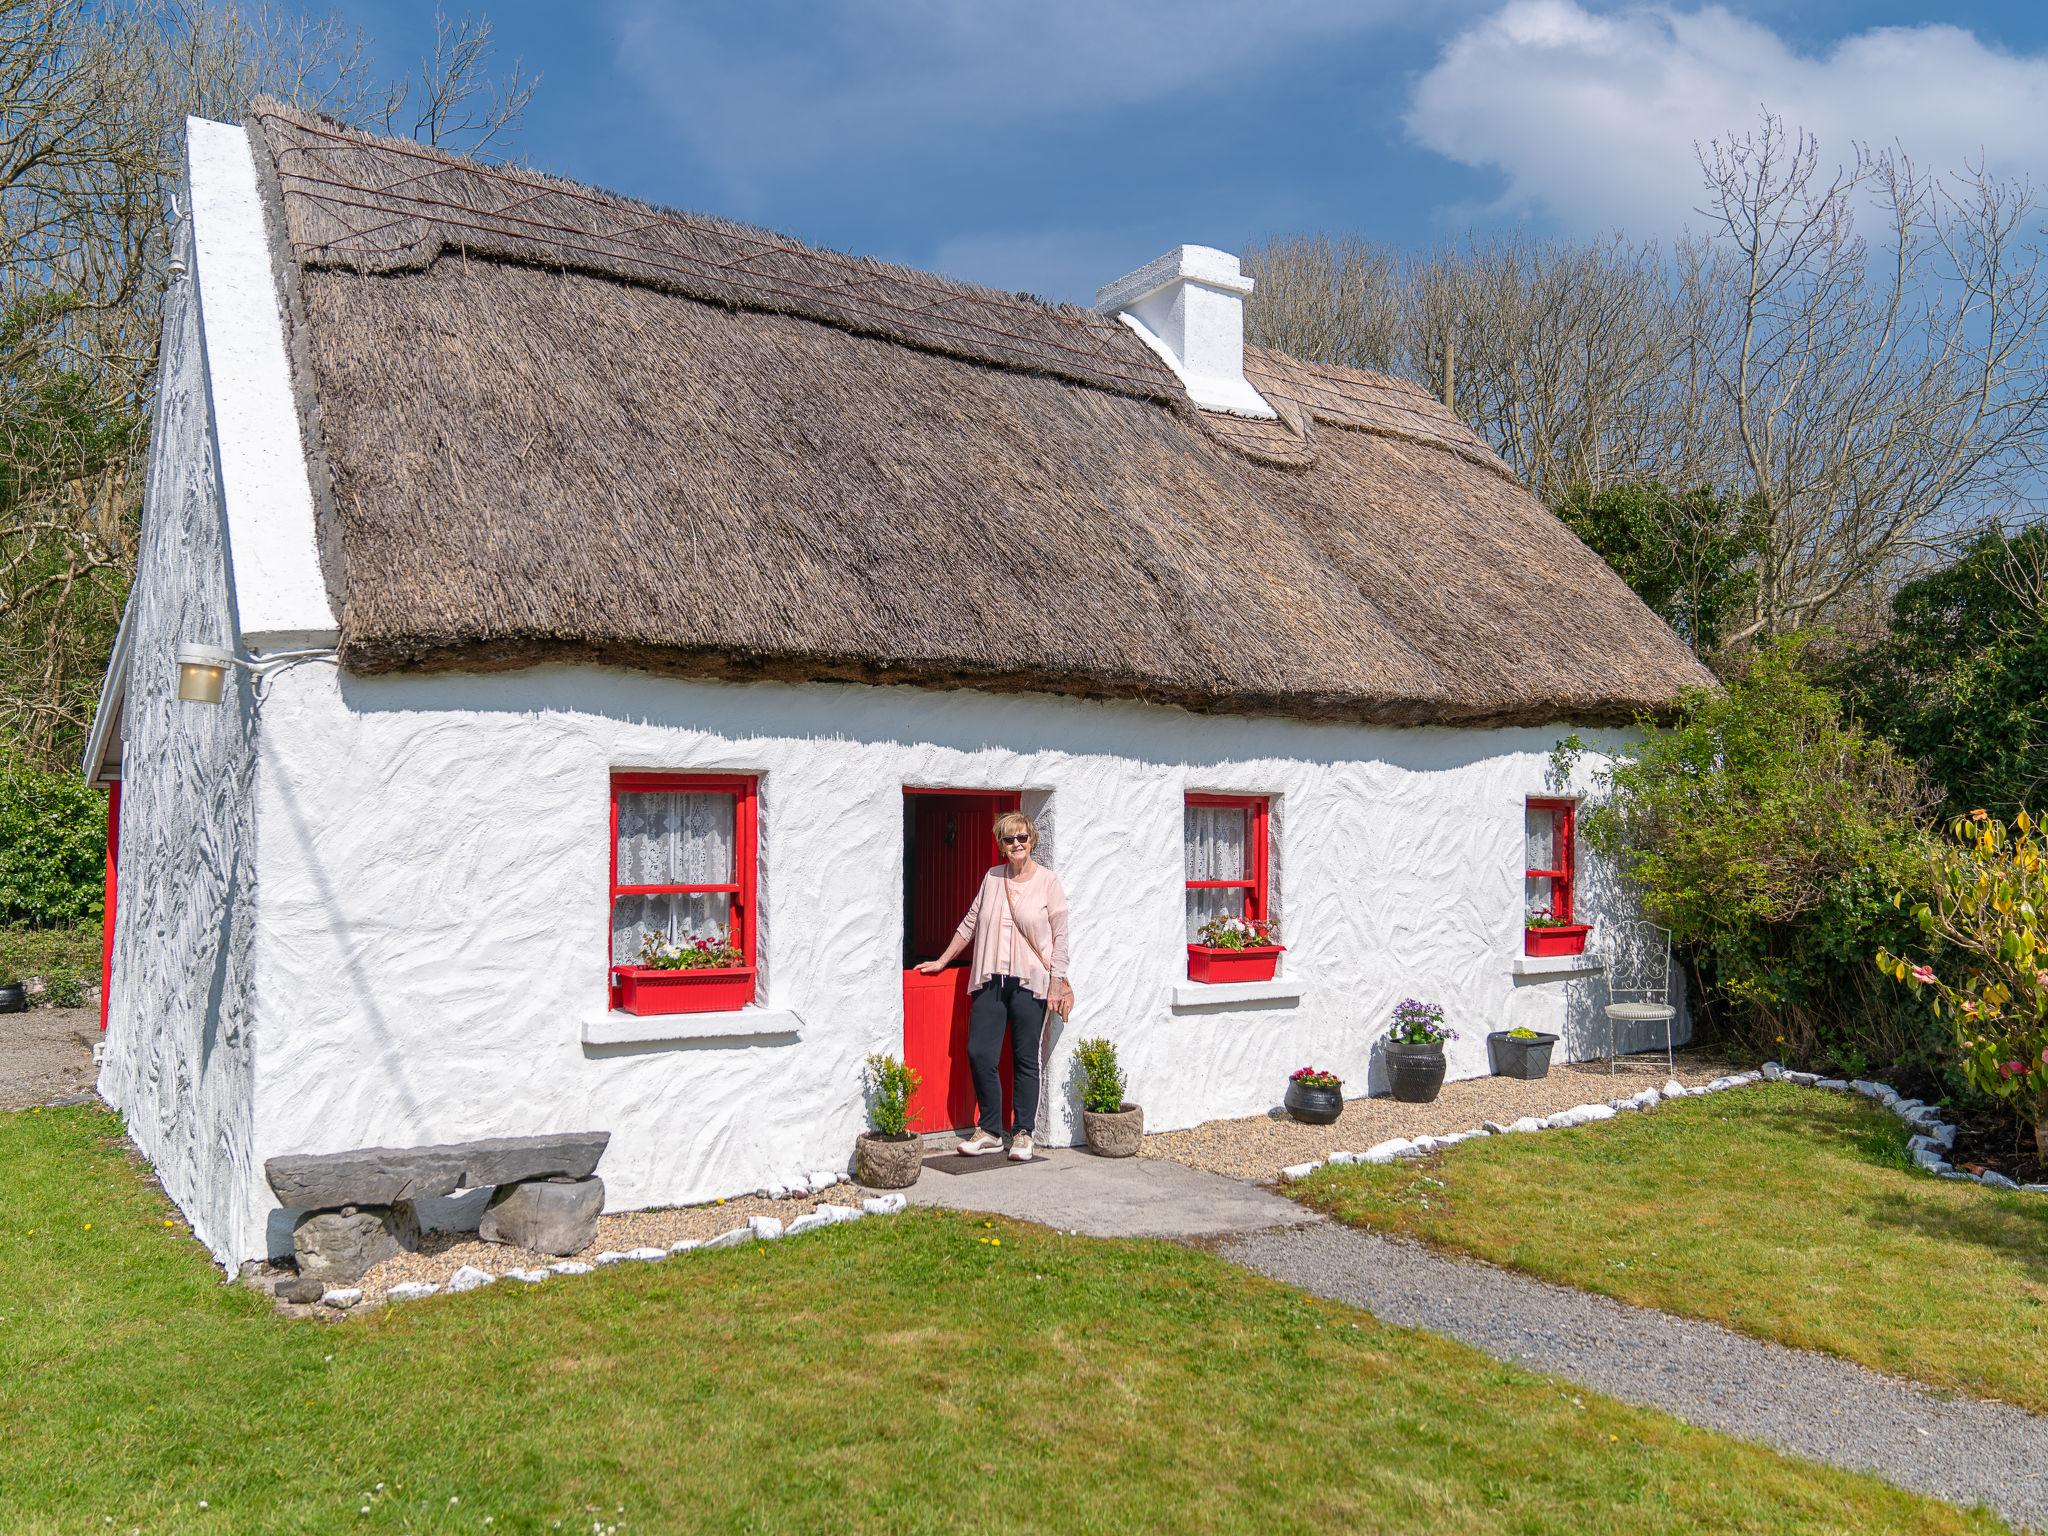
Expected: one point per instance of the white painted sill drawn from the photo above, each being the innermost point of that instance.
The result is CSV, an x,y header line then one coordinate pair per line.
x,y
1557,966
1223,994
614,1028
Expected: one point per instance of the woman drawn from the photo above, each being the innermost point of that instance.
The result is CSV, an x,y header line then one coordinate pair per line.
x,y
1018,926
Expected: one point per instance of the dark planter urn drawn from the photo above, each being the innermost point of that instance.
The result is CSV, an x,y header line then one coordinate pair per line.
x,y
1527,1058
13,997
1314,1106
1415,1072
887,1162
1114,1133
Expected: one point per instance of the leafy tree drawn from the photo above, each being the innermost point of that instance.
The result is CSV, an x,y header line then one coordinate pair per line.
x,y
1687,554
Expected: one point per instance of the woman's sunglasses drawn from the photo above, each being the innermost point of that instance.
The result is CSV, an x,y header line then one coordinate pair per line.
x,y
1013,837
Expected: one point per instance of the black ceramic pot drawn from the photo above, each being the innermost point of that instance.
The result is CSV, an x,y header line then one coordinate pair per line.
x,y
13,997
1314,1106
1527,1058
1415,1072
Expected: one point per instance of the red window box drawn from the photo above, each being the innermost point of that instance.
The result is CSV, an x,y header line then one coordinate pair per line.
x,y
1570,939
711,989
1254,963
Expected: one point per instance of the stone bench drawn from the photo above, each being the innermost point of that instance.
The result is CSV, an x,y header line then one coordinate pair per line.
x,y
359,1205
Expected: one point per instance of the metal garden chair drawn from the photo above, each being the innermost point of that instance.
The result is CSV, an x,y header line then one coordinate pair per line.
x,y
1639,984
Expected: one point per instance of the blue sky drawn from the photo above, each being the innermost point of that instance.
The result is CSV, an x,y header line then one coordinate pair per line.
x,y
1055,144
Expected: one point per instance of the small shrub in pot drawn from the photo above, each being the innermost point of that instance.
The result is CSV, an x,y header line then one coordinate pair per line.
x,y
1522,1053
1315,1097
888,1156
1114,1126
1415,1050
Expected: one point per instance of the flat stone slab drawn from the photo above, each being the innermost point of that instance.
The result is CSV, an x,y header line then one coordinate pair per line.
x,y
1076,1191
386,1175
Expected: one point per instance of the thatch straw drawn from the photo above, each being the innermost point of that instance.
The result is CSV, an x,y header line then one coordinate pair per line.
x,y
539,459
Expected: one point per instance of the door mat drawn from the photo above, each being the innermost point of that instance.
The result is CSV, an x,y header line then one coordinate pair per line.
x,y
954,1163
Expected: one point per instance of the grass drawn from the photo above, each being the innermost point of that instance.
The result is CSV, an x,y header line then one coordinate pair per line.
x,y
932,1372
1784,1213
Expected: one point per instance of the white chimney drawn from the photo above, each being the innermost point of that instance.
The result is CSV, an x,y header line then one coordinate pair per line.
x,y
1189,308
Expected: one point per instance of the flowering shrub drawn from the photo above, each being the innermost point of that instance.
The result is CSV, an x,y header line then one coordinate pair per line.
x,y
1989,896
1236,933
1316,1077
698,953
1418,1023
890,1083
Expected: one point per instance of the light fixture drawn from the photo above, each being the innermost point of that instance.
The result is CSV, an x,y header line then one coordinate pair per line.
x,y
202,673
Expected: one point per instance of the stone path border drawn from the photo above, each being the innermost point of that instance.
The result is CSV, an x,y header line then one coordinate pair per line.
x,y
1933,1136
1809,1405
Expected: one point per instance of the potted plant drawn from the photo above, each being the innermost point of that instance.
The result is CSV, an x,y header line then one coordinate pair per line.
x,y
1543,934
700,975
1415,1050
1315,1097
1520,1052
1234,949
889,1156
1113,1127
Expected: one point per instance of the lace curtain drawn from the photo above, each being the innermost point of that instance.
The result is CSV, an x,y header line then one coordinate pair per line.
x,y
1540,837
1216,845
665,838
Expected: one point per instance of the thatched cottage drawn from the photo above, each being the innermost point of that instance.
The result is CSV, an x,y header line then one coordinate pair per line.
x,y
576,570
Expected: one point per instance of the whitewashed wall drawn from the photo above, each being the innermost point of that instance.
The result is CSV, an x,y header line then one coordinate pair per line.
x,y
179,1062
433,937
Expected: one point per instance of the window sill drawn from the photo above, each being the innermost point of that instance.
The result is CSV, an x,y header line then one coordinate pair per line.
x,y
1225,994
612,1028
1544,966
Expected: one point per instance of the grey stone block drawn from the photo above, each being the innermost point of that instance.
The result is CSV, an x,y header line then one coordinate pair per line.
x,y
515,1159
304,1290
334,1247
544,1215
316,1181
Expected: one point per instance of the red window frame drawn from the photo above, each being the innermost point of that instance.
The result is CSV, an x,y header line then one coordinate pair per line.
x,y
744,790
1564,815
1256,895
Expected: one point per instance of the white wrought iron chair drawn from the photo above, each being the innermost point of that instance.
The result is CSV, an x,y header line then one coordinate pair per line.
x,y
1639,984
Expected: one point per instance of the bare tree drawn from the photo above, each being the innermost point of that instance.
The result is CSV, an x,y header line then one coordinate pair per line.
x,y
454,100
1327,299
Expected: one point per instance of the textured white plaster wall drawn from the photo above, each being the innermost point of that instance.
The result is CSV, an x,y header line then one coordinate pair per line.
x,y
433,856
178,1060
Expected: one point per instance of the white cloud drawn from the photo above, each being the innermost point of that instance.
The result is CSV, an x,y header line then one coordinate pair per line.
x,y
835,85
1591,118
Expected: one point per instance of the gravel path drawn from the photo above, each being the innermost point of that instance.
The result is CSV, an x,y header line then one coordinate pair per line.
x,y
46,1056
1259,1146
1809,1405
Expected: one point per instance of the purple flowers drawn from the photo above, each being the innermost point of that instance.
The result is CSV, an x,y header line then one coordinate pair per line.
x,y
1419,1023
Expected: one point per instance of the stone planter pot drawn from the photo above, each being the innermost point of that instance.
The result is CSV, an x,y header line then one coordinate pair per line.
x,y
1527,1058
1314,1106
887,1162
1414,1072
13,997
1114,1133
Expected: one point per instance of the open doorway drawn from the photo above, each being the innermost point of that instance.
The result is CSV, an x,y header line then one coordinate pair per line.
x,y
949,843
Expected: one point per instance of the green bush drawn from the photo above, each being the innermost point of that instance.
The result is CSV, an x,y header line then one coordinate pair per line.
x,y
53,847
1768,834
67,959
1102,1080
890,1084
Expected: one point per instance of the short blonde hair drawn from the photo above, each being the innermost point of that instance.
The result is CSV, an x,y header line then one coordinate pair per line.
x,y
1014,819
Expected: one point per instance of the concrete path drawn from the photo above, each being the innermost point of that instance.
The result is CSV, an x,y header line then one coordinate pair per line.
x,y
1075,1191
1809,1405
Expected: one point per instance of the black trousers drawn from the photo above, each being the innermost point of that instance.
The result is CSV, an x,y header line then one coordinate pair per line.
x,y
1004,1006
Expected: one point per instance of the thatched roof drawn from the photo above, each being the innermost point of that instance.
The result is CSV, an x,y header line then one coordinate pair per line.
x,y
557,424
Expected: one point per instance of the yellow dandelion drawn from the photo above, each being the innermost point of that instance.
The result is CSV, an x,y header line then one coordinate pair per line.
x,y
88,1226
995,1242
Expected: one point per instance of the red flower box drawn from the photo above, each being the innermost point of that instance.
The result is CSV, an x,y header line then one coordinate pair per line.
x,y
709,989
1570,939
1254,963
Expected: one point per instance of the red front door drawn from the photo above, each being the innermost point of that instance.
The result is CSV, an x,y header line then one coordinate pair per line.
x,y
949,843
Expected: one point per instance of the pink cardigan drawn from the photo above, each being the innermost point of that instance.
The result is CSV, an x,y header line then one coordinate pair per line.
x,y
999,950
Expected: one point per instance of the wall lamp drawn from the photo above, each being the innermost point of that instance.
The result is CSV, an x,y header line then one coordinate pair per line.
x,y
203,669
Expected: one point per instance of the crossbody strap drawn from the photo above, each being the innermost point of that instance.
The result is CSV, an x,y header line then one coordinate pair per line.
x,y
1010,897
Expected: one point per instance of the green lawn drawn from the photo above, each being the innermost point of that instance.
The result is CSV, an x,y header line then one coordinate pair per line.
x,y
913,1374
1785,1213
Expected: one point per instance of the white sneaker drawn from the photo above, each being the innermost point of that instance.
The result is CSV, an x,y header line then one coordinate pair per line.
x,y
979,1144
1020,1148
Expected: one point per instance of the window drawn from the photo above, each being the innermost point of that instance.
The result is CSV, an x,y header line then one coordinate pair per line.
x,y
1547,878
682,863
1226,859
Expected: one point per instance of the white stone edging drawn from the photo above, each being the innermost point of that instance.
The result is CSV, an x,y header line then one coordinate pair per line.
x,y
1934,1135
761,1229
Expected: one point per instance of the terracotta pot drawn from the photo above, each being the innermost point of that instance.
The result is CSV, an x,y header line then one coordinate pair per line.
x,y
887,1162
1314,1106
1414,1072
1114,1133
